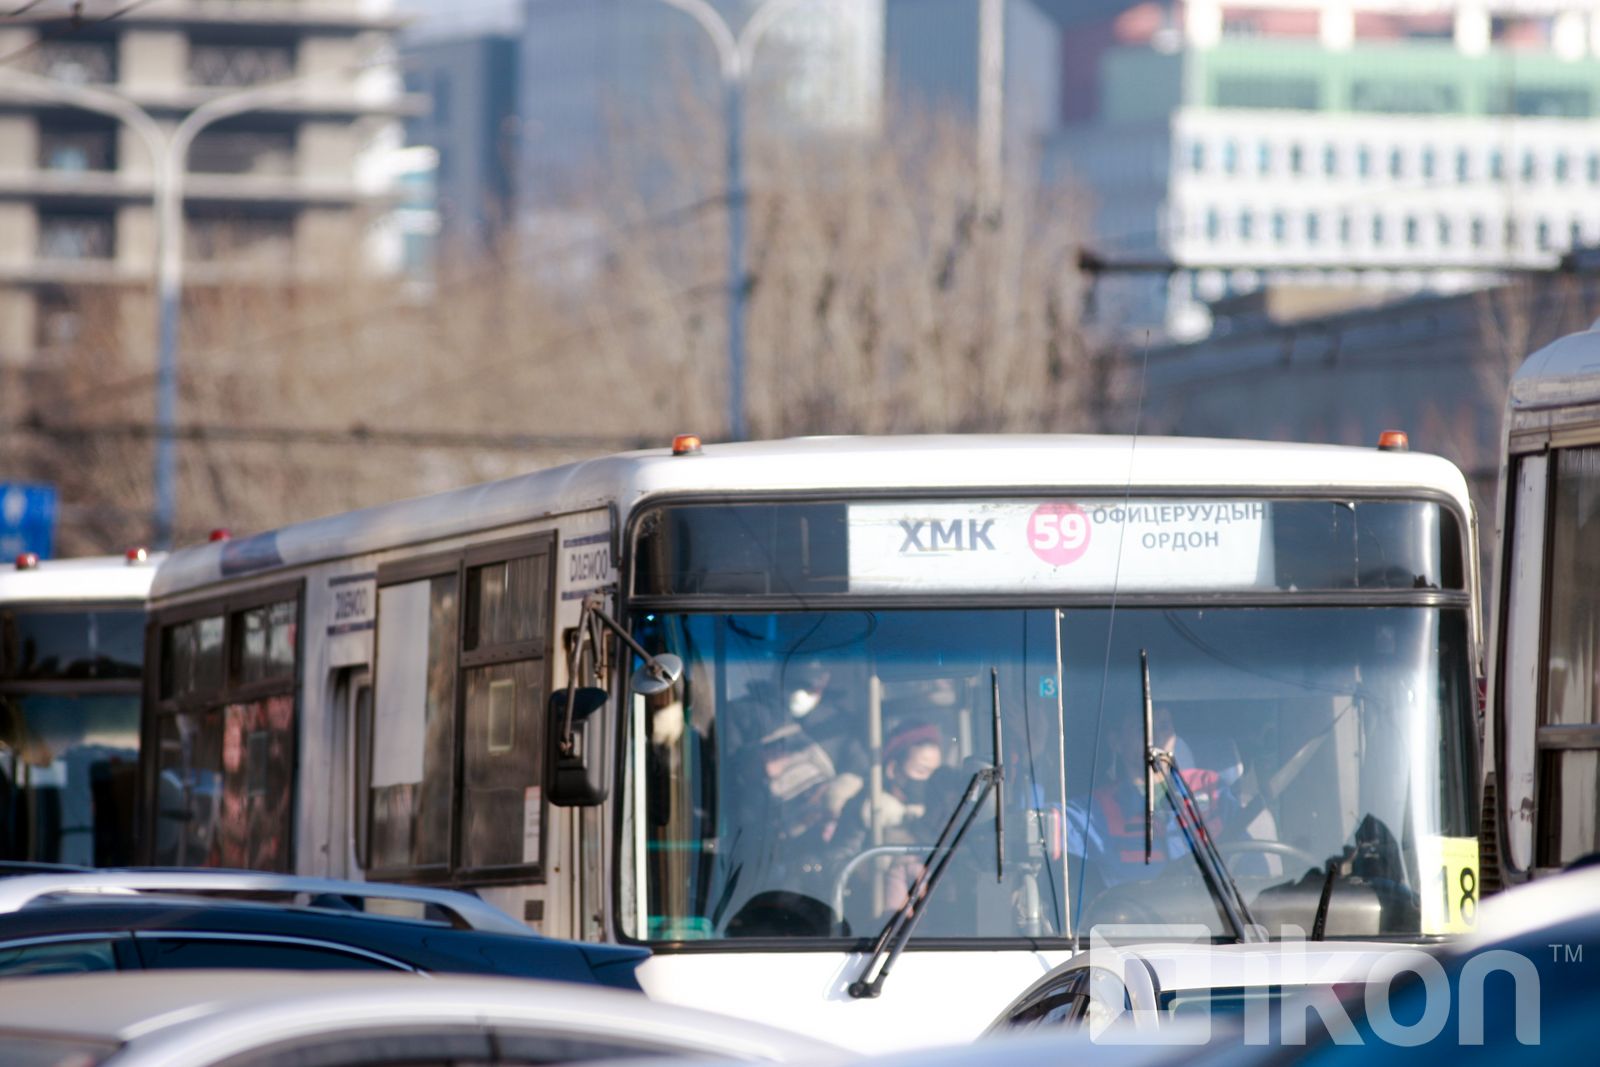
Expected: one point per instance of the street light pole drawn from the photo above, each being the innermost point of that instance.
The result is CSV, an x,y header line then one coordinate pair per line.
x,y
169,164
735,54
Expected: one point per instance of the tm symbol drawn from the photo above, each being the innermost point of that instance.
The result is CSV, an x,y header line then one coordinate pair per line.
x,y
1572,953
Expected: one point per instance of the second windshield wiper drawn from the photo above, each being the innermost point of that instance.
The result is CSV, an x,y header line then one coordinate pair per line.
x,y
897,931
1192,824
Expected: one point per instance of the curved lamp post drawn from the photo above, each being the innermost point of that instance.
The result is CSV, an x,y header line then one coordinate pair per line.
x,y
169,153
735,53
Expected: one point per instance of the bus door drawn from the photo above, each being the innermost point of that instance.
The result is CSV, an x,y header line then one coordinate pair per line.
x,y
351,736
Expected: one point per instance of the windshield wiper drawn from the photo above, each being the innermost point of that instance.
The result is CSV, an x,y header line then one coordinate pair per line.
x,y
1213,869
897,931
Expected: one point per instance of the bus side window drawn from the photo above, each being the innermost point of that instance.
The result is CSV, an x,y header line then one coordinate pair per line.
x,y
454,777
225,733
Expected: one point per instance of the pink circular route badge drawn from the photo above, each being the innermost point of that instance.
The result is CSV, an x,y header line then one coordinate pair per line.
x,y
1058,533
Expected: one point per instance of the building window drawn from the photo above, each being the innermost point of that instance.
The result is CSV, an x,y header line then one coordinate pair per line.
x,y
1511,234
1377,229
227,65
1230,157
1346,229
1497,165
258,152
1594,168
1397,163
1246,225
1463,165
1213,224
1280,227
1297,159
1264,158
1575,234
1542,235
77,61
1364,161
1330,161
1530,166
1479,233
58,318
1562,167
1413,231
1427,164
75,235
1197,156
1313,227
1444,231
257,240
70,148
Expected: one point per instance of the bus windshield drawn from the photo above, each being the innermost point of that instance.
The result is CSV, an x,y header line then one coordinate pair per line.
x,y
792,786
1310,666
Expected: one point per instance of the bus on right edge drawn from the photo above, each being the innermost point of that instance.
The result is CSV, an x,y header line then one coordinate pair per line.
x,y
1542,737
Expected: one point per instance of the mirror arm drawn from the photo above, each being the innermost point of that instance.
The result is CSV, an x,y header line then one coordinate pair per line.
x,y
594,615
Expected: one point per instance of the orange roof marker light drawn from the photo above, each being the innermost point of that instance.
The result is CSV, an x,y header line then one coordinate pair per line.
x,y
1393,441
26,561
219,534
137,555
686,444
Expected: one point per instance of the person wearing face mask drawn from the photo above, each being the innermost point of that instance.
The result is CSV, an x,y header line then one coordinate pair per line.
x,y
815,700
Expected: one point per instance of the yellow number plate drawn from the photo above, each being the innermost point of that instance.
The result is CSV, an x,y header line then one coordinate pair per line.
x,y
1449,884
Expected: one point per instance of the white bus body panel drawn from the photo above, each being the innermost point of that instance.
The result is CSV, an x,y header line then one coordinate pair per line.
x,y
930,998
83,580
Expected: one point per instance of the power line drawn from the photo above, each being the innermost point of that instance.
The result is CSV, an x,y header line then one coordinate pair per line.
x,y
74,23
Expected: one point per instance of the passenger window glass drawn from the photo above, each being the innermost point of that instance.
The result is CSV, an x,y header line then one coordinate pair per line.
x,y
70,645
227,953
1567,807
1057,1006
501,810
263,640
413,729
505,602
69,766
223,791
58,957
188,787
191,658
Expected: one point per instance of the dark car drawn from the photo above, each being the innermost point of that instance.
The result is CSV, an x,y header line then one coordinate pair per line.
x,y
147,920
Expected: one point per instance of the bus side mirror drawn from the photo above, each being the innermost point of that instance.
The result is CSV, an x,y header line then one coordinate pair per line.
x,y
577,766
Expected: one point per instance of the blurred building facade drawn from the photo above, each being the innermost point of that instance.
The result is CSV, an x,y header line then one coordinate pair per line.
x,y
931,62
615,94
470,122
1376,148
274,196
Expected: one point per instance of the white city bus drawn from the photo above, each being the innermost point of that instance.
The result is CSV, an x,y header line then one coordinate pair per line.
x,y
857,649
1543,749
71,651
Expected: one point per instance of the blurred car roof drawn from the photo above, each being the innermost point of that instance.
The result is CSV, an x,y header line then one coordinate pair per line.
x,y
194,1018
433,939
1178,965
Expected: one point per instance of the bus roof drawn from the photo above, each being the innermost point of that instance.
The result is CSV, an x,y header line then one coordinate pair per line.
x,y
1564,372
82,580
938,464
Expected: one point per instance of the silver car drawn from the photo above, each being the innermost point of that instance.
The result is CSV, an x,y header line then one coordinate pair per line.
x,y
280,1018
